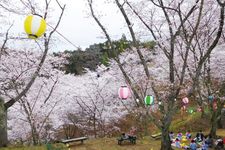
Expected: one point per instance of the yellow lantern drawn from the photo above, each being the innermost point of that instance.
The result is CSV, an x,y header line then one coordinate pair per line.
x,y
34,26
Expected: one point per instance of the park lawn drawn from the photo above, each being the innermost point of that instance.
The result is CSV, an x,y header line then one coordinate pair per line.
x,y
104,144
43,147
221,132
25,148
111,144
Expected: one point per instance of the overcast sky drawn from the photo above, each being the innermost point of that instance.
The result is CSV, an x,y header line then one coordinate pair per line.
x,y
82,30
78,26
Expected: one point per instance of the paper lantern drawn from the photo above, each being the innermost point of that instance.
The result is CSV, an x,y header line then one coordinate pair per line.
x,y
34,26
210,98
137,100
190,110
214,105
149,99
124,92
199,109
185,100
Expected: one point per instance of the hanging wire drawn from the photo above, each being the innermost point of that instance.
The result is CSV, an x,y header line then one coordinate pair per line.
x,y
64,37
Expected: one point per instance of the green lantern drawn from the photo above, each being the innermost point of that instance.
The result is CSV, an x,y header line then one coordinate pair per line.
x,y
149,100
190,110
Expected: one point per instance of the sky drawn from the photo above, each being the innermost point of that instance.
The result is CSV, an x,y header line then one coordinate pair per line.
x,y
78,26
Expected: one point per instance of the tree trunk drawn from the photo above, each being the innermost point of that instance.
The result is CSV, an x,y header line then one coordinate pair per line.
x,y
222,120
3,125
94,124
166,122
34,133
203,111
216,117
165,142
213,125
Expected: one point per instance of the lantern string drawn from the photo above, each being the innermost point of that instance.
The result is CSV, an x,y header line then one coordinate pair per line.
x,y
63,37
38,45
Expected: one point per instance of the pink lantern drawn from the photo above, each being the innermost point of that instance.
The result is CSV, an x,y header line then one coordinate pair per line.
x,y
185,100
199,109
124,92
215,105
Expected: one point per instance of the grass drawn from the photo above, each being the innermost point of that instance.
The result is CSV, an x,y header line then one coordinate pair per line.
x,y
43,147
192,122
111,144
104,144
147,143
25,148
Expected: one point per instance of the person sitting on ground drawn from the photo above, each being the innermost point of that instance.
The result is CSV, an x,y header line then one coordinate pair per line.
x,y
219,144
199,136
209,141
204,146
188,135
171,135
124,136
132,131
193,145
177,143
179,135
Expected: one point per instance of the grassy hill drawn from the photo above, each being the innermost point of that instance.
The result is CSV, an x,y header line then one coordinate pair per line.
x,y
192,122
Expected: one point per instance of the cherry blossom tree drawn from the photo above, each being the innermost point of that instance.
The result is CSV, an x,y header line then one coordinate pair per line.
x,y
7,103
174,30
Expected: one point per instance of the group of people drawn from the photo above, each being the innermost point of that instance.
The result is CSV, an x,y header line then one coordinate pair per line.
x,y
204,142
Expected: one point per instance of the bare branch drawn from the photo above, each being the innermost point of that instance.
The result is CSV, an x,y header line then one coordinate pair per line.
x,y
222,4
136,45
161,6
46,45
5,41
51,91
56,26
114,51
59,4
211,47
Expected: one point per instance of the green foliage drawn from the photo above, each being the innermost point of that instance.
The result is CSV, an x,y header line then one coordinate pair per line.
x,y
119,46
79,60
105,59
149,44
94,55
192,122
